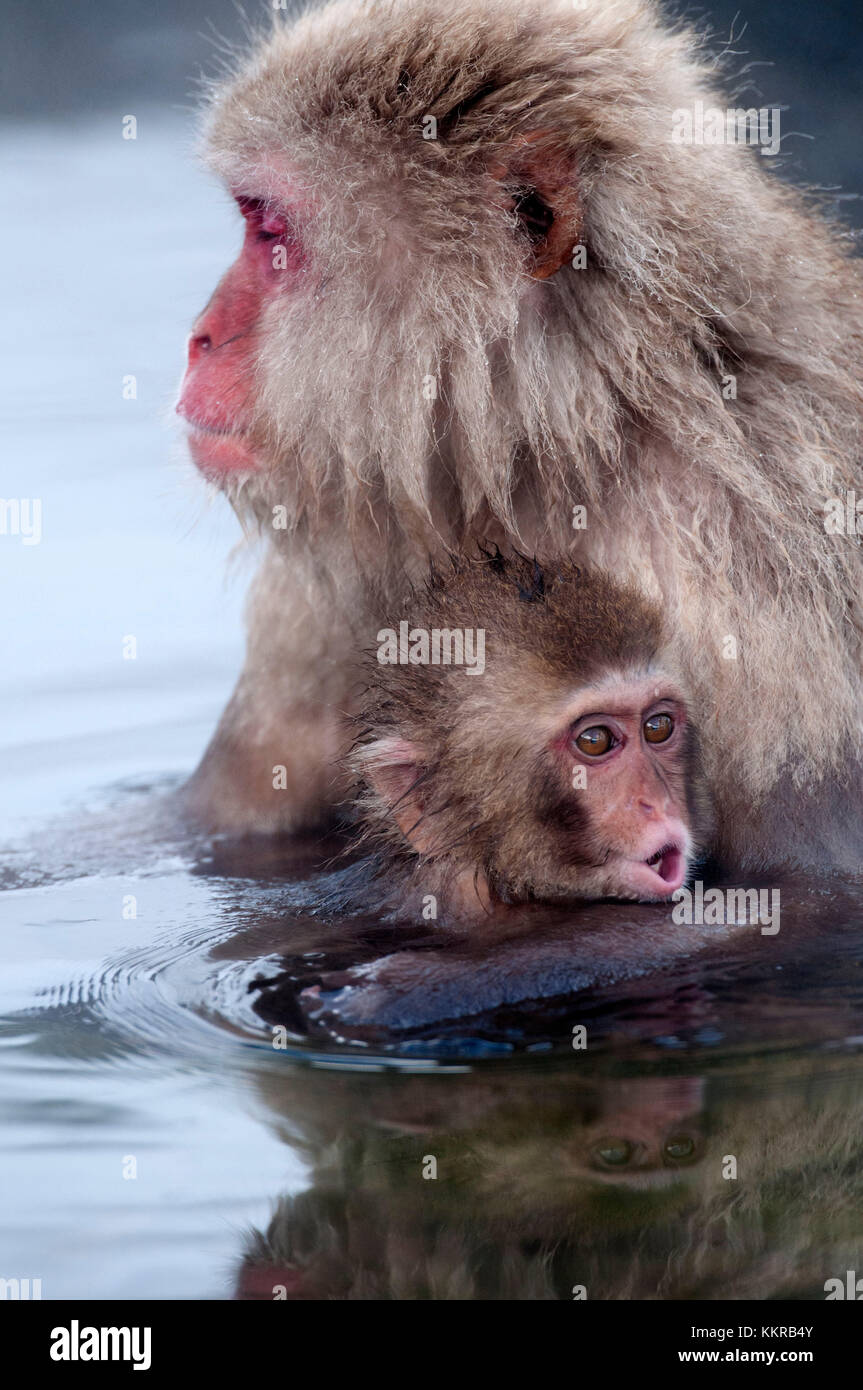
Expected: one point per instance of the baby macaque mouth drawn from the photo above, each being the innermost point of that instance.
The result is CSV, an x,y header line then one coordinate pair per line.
x,y
661,874
666,862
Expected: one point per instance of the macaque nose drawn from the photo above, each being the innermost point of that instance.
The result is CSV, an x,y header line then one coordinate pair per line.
x,y
199,343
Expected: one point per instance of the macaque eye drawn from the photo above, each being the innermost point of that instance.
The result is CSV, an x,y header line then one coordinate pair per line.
x,y
614,1153
265,222
596,741
658,728
680,1148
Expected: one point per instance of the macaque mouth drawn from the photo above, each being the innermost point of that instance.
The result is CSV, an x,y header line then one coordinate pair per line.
x,y
663,873
218,431
666,862
220,452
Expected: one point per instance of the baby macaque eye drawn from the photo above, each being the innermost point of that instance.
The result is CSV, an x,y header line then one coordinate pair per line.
x,y
679,1149
596,741
614,1153
658,728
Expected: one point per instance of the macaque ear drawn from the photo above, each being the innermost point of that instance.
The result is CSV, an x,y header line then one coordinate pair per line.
x,y
392,767
538,184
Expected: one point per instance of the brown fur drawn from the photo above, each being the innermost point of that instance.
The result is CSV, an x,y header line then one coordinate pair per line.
x,y
599,386
468,777
524,1211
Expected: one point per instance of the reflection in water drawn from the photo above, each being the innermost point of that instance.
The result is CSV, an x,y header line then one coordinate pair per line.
x,y
705,1142
743,1182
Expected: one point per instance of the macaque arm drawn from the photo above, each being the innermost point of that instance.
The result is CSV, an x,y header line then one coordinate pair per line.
x,y
412,990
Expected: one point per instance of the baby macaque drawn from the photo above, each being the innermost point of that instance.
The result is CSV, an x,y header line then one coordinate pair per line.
x,y
559,762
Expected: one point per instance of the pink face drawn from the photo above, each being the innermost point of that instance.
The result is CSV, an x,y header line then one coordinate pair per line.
x,y
631,744
217,394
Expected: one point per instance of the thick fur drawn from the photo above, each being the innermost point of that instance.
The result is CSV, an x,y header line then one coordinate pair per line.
x,y
459,766
599,386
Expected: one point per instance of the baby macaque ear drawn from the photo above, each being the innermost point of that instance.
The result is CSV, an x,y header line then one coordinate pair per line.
x,y
538,183
392,767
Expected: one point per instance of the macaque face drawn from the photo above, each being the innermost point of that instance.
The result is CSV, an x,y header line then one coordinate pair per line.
x,y
267,334
217,395
370,242
550,798
568,768
627,750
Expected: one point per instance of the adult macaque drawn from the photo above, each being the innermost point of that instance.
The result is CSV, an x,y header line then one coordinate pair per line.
x,y
564,766
486,290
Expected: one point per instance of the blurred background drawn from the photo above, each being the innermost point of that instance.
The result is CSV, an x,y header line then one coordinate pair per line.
x,y
98,55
